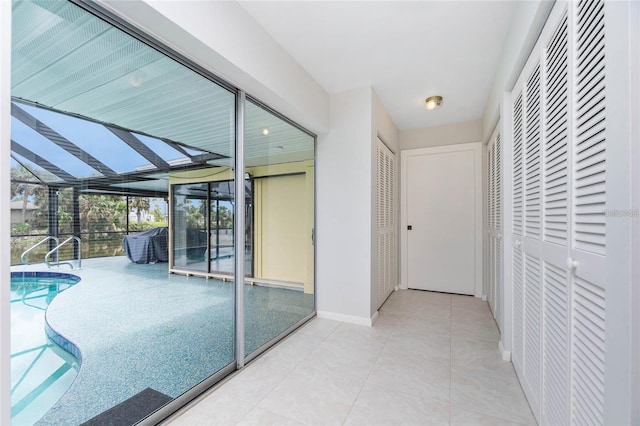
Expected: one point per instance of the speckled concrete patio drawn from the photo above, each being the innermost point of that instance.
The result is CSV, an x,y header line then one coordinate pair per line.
x,y
136,326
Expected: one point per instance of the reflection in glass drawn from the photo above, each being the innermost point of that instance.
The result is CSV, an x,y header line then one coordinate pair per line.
x,y
190,226
102,126
279,157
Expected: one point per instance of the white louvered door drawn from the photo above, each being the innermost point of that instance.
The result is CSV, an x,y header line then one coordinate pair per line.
x,y
386,222
556,331
494,222
588,249
559,227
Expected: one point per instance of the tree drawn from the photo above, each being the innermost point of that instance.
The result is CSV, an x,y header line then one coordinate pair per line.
x,y
21,190
140,204
158,216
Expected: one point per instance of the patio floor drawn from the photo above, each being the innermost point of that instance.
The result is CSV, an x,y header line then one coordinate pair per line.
x,y
136,326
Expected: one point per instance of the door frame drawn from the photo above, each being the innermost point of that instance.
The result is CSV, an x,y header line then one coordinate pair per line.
x,y
476,148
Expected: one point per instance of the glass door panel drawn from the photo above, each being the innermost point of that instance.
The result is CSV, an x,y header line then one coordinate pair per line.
x,y
279,157
190,226
108,124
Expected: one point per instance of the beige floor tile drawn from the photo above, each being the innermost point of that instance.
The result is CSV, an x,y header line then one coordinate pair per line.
x,y
294,349
462,417
355,335
479,354
377,405
420,297
412,373
318,328
430,358
354,361
219,408
312,396
489,393
434,347
475,330
262,417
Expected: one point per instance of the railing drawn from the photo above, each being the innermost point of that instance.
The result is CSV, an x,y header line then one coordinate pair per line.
x,y
57,248
23,258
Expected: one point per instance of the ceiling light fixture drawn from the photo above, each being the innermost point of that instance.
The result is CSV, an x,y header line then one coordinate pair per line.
x,y
265,131
433,102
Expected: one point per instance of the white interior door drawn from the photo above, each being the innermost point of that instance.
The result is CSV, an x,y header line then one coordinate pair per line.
x,y
441,191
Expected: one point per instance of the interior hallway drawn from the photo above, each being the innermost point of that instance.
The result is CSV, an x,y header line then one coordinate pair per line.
x,y
431,358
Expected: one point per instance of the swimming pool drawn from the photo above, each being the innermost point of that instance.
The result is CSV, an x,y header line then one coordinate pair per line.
x,y
41,371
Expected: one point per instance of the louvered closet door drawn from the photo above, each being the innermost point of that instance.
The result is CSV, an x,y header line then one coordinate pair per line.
x,y
518,232
559,200
386,222
494,221
588,249
490,222
556,283
498,228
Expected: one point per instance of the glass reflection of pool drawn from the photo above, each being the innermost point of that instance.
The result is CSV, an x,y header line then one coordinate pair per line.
x,y
40,371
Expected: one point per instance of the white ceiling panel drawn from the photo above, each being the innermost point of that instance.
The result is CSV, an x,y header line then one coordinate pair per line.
x,y
405,50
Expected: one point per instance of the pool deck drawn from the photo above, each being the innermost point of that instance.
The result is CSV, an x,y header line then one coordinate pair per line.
x,y
136,326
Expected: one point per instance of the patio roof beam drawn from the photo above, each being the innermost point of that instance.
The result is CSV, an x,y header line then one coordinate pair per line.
x,y
140,148
39,161
132,192
203,158
60,140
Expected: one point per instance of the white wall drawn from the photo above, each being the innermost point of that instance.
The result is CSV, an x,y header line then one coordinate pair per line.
x,y
465,132
635,167
343,209
5,256
223,38
620,287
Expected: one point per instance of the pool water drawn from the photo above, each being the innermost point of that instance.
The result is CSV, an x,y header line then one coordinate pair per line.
x,y
41,372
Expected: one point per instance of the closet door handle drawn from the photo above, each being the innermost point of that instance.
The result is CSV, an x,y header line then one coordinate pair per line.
x,y
572,265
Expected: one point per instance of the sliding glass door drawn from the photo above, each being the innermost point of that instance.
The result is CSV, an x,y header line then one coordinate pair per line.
x,y
102,122
113,132
279,157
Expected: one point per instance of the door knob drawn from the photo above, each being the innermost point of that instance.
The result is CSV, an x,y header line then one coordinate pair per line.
x,y
572,264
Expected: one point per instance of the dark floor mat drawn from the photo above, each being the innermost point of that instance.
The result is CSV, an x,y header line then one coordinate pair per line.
x,y
132,410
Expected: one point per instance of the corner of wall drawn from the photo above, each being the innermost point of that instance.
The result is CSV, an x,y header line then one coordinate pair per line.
x,y
5,137
343,183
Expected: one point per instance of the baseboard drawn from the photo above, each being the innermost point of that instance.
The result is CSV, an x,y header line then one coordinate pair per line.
x,y
506,355
348,318
484,297
374,317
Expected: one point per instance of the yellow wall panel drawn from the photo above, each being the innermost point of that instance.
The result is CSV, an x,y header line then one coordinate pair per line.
x,y
282,232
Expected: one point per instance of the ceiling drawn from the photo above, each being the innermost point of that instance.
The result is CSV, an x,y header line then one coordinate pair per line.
x,y
97,108
405,50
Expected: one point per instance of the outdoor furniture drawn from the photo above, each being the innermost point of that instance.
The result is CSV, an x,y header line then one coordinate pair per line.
x,y
147,246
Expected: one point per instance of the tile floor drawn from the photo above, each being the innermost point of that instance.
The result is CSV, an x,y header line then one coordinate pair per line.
x,y
431,358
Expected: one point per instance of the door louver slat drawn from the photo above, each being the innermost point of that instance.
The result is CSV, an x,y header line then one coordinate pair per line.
x,y
518,309
590,158
532,156
589,353
555,343
556,149
532,322
517,166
